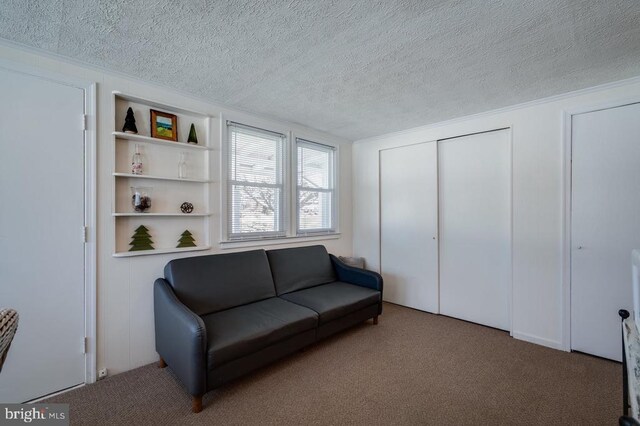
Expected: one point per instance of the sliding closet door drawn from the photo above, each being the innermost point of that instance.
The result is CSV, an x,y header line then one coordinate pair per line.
x,y
475,228
408,225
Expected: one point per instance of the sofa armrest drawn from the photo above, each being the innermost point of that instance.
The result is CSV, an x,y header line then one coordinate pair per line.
x,y
181,338
356,276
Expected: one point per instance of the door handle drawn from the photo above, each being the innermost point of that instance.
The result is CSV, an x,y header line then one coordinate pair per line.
x,y
580,247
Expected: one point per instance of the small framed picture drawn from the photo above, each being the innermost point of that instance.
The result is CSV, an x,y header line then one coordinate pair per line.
x,y
164,125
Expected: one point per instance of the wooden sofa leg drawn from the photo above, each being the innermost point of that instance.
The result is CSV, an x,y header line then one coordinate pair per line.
x,y
375,320
196,403
161,363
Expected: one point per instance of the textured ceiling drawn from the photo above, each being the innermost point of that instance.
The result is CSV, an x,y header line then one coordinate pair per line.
x,y
351,68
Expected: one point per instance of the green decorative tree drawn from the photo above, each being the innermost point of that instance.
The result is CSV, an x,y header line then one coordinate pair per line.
x,y
192,135
130,123
141,240
186,240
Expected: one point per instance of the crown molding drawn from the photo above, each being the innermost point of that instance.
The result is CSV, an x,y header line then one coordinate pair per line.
x,y
502,110
178,92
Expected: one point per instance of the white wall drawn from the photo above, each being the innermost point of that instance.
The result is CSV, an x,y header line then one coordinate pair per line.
x,y
125,331
538,210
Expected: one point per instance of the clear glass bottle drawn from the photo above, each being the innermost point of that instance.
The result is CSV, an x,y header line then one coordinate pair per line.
x,y
136,162
182,166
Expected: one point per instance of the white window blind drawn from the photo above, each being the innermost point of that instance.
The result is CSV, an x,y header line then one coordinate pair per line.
x,y
316,203
256,204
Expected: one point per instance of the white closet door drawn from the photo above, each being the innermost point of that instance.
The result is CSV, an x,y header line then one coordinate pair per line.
x,y
605,225
475,228
41,245
409,223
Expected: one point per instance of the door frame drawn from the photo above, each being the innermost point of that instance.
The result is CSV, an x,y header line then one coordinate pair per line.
x,y
567,143
90,201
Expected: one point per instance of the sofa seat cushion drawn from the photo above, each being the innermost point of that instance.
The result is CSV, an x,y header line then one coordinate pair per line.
x,y
334,300
246,329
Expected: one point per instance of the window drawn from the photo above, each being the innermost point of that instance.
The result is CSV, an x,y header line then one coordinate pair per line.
x,y
276,188
256,195
315,187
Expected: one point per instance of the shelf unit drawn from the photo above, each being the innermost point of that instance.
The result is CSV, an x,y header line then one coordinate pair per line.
x,y
161,214
160,160
129,175
149,139
159,251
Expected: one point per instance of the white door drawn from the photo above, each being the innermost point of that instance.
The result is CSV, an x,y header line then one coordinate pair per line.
x,y
475,228
41,249
409,223
605,225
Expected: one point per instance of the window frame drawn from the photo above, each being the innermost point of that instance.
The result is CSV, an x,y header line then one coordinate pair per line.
x,y
333,180
289,217
282,165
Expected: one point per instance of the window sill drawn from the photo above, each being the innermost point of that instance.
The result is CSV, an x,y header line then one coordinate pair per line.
x,y
261,242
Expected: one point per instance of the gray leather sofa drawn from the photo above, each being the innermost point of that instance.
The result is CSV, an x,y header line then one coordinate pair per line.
x,y
219,317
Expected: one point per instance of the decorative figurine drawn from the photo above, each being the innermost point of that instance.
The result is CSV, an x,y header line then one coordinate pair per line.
x,y
193,138
141,240
186,207
130,123
186,240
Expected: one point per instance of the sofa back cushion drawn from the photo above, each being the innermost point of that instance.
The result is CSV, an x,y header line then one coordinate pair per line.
x,y
207,284
300,267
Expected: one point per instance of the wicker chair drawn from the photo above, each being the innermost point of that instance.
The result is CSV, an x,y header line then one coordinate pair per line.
x,y
8,327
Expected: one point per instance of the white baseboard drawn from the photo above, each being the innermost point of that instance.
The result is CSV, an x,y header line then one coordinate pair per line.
x,y
554,344
51,395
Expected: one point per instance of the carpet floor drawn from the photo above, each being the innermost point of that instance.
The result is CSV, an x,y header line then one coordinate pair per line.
x,y
412,368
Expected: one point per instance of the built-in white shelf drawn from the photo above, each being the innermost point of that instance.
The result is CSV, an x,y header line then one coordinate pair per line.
x,y
148,139
158,105
160,158
161,214
159,251
130,175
